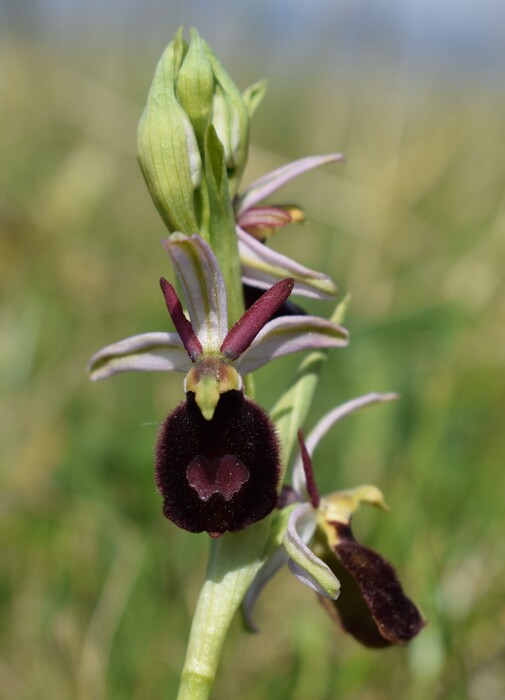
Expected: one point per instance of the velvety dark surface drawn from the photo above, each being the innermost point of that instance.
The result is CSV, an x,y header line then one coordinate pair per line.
x,y
220,474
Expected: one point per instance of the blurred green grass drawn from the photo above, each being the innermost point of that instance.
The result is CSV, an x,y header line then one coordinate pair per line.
x,y
96,588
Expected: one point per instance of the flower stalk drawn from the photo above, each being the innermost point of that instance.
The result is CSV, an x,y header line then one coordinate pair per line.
x,y
234,561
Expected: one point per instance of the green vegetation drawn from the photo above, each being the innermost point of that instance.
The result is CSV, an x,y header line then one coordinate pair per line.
x,y
96,588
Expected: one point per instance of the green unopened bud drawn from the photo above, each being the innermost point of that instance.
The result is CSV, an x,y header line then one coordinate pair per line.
x,y
167,146
227,126
195,86
192,95
230,120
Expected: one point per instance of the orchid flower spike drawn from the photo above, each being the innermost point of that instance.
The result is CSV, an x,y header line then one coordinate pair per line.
x,y
356,585
217,455
255,222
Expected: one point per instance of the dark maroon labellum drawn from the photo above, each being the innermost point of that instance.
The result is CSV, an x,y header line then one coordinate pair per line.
x,y
372,606
220,474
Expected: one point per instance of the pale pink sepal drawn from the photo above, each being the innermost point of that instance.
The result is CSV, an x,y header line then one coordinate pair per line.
x,y
203,286
149,352
288,334
265,186
322,427
262,267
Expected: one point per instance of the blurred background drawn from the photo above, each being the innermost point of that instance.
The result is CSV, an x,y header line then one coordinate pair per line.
x,y
96,588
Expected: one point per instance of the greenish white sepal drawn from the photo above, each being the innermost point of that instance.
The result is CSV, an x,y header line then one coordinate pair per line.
x,y
304,564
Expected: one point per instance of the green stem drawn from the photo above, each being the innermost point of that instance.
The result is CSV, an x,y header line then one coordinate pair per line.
x,y
201,198
234,561
222,233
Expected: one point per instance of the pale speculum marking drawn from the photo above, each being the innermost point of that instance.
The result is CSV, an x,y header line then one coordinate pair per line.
x,y
224,475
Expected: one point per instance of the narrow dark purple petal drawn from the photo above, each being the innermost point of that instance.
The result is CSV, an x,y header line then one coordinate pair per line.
x,y
241,335
289,308
309,472
220,474
372,606
181,323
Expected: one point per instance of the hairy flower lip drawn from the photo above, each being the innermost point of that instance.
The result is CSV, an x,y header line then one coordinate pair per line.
x,y
374,608
219,475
